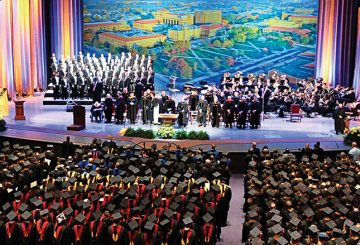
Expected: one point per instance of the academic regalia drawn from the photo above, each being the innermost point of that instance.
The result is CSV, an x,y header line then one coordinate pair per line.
x,y
207,234
215,114
108,109
62,235
97,234
183,110
97,89
255,110
147,109
80,235
339,116
12,233
132,105
162,104
228,111
27,232
241,111
193,102
202,112
116,234
44,232
187,236
139,89
120,109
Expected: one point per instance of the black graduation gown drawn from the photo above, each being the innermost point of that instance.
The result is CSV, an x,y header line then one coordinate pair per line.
x,y
13,238
108,108
187,236
120,109
183,110
215,114
78,237
202,112
147,109
97,231
132,109
27,233
62,235
339,119
228,110
242,111
48,232
255,111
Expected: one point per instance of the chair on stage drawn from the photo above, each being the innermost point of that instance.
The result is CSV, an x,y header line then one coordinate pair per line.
x,y
295,114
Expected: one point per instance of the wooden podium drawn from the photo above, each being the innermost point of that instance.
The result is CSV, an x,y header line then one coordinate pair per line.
x,y
79,119
19,110
168,119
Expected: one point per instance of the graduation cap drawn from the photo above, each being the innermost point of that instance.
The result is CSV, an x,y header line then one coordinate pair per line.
x,y
187,175
164,222
86,204
23,207
97,214
6,206
215,188
133,225
207,218
328,160
174,206
343,210
124,203
313,229
95,198
133,169
26,215
328,210
111,206
169,213
163,171
149,226
37,202
80,188
255,231
309,212
131,193
116,216
148,172
276,228
348,223
323,235
55,206
294,221
282,240
41,156
44,212
145,201
80,218
17,194
187,221
11,215
190,206
276,218
355,229
200,180
331,224
157,202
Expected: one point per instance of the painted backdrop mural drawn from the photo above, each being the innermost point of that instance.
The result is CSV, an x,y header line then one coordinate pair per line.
x,y
197,40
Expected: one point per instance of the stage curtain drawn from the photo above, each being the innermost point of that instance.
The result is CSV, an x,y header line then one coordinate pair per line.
x,y
66,26
336,41
22,46
356,83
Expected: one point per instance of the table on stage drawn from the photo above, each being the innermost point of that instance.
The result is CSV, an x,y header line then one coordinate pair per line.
x,y
168,119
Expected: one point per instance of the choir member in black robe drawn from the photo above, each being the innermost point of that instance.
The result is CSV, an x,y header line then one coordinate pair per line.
x,y
132,107
183,110
228,112
120,109
339,116
108,108
202,108
44,229
215,113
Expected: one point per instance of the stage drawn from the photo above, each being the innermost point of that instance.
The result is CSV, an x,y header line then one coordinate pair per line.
x,y
48,123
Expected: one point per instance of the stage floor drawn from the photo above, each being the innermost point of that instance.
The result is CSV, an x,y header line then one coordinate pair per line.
x,y
50,122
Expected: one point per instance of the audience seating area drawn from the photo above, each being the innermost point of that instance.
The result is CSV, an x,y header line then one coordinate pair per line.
x,y
302,201
107,194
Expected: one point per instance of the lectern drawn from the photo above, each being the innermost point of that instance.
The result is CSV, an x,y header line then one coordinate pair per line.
x,y
19,109
79,119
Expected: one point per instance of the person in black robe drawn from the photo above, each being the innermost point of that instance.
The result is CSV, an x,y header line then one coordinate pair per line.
x,y
183,110
67,148
97,229
215,113
339,116
44,229
56,86
64,87
73,86
80,82
62,233
255,111
120,109
147,107
108,108
139,90
132,108
162,103
12,229
242,111
97,88
79,232
27,229
202,108
228,112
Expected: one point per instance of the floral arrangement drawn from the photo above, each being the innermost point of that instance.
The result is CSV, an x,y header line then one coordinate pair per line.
x,y
147,134
2,124
353,136
166,132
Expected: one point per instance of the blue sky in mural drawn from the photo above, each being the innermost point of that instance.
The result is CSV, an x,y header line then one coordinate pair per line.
x,y
200,40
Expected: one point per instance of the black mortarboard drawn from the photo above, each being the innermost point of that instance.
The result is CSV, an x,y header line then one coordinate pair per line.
x,y
6,206
295,235
190,206
48,195
323,235
354,229
97,214
276,228
331,224
116,216
188,175
309,213
295,221
145,201
174,206
80,218
111,206
255,231
348,223
328,210
207,217
17,194
23,207
163,171
124,203
55,206
44,212
344,210
26,215
37,202
148,172
200,180
95,197
216,174
152,218
276,218
282,241
11,215
169,213
215,188
86,204
187,221
133,169
313,229
149,226
65,195
164,222
133,225
157,202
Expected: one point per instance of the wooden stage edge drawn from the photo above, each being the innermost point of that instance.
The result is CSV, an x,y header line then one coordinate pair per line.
x,y
79,137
